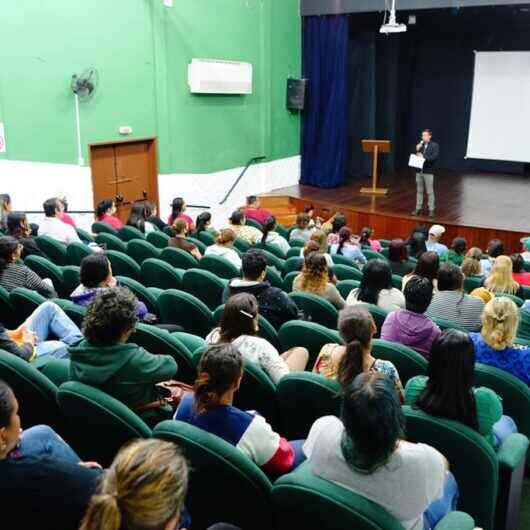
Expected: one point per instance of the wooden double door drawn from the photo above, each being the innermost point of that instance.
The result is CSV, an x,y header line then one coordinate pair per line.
x,y
126,171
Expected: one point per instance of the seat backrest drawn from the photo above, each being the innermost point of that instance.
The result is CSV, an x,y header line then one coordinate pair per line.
x,y
179,258
471,458
140,250
205,286
127,233
303,500
8,316
288,281
71,278
141,292
442,323
241,244
297,242
74,311
158,273
409,363
274,277
111,242
345,287
181,308
255,224
53,249
317,308
515,299
266,331
397,281
75,252
206,238
103,228
293,264
293,252
523,330
84,236
45,268
225,485
198,243
274,261
310,335
343,260
24,302
123,265
219,266
372,254
158,239
107,423
345,272
304,397
272,249
473,282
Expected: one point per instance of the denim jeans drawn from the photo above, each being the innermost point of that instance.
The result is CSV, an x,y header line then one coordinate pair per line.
x,y
502,429
438,509
43,441
50,318
299,455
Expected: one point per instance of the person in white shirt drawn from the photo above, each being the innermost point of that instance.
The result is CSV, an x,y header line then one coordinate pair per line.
x,y
224,247
53,227
364,452
271,237
239,326
433,243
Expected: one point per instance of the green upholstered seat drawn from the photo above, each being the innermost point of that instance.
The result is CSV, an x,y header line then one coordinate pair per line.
x,y
84,236
345,287
128,233
183,309
272,249
372,254
302,500
346,272
205,286
225,485
293,264
274,261
24,302
71,278
523,330
442,323
385,243
343,260
179,258
159,341
111,242
288,281
297,242
75,252
103,228
293,252
473,282
192,342
123,265
379,315
158,239
274,277
7,314
489,483
526,292
408,362
310,335
397,281
241,245
515,299
144,294
206,237
158,273
56,370
107,424
316,308
385,252
140,250
219,266
198,243
54,250
45,268
254,223
304,397
282,231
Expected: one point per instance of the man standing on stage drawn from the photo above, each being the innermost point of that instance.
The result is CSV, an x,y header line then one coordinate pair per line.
x,y
430,151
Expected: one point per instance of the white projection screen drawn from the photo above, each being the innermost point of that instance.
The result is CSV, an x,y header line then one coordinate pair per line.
x,y
500,110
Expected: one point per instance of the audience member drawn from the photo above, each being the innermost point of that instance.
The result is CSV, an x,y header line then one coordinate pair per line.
x,y
204,223
314,279
365,452
178,207
239,326
365,239
447,390
346,248
471,268
13,273
53,227
249,234
151,215
271,237
315,221
19,228
427,266
106,213
500,280
6,208
224,247
65,218
494,345
180,228
138,217
433,242
318,237
410,326
273,304
125,371
398,258
43,483
494,250
526,248
210,408
376,288
417,245
345,362
519,275
337,222
452,303
457,251
254,211
302,229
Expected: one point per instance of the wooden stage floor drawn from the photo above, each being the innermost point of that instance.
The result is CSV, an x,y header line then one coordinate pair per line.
x,y
478,206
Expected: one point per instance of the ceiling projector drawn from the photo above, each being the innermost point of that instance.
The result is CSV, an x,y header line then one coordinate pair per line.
x,y
392,26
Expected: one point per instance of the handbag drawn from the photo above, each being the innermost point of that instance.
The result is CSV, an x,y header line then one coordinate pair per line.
x,y
171,393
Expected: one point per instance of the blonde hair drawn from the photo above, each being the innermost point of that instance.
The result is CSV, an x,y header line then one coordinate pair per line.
x,y
483,294
143,489
501,280
499,323
180,225
226,235
474,253
470,267
315,275
320,238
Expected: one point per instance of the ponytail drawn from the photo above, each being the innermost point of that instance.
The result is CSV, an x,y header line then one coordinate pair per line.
x,y
351,364
201,221
103,512
269,226
205,395
102,207
176,208
366,232
344,236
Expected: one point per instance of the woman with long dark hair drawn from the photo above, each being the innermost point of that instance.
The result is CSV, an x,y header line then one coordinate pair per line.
x,y
271,237
337,222
365,239
138,216
345,247
398,258
19,228
376,288
427,266
238,224
345,362
178,207
447,391
106,213
203,223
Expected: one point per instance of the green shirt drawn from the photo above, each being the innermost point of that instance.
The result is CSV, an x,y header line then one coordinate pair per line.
x,y
454,258
489,404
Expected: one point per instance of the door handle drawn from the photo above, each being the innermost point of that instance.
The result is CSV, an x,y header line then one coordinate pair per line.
x,y
120,180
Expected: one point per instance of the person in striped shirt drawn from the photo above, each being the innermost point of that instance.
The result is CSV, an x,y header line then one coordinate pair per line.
x,y
210,408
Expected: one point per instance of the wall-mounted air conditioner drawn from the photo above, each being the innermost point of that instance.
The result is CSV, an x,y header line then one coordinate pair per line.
x,y
212,76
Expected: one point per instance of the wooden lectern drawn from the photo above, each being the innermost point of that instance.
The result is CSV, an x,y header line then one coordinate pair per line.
x,y
375,147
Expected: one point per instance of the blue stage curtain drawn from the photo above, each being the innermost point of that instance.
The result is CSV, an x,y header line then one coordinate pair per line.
x,y
325,136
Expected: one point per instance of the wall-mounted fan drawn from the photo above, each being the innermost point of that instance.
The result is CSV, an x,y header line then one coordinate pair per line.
x,y
83,87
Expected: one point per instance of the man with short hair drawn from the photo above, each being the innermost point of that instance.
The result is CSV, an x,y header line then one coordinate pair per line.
x,y
254,211
274,305
410,326
429,151
53,227
433,242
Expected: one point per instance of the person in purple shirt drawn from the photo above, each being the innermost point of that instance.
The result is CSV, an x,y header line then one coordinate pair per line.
x,y
410,326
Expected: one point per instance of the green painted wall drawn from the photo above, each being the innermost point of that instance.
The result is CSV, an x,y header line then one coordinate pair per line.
x,y
141,50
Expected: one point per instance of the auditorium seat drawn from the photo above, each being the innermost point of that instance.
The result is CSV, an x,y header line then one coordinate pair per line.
x,y
288,280
198,243
297,243
75,252
397,281
523,331
8,317
241,245
205,286
303,500
147,295
304,397
56,370
379,315
219,266
84,236
101,425
274,261
372,254
317,308
274,277
473,282
45,268
255,224
128,233
273,249
158,273
54,250
71,279
207,238
179,258
292,264
489,482
345,287
346,272
515,299
111,242
293,252
103,228
123,265
225,485
24,302
158,239
343,260
140,250
74,311
442,323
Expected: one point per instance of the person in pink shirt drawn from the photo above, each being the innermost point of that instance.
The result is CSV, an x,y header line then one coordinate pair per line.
x,y
178,207
106,213
254,211
63,207
366,239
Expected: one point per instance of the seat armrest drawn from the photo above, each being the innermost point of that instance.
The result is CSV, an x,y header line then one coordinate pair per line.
x,y
456,521
513,451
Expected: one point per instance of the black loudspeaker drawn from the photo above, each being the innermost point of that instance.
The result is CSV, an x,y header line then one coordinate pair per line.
x,y
296,93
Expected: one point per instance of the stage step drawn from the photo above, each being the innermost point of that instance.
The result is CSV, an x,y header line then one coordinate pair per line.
x,y
280,202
